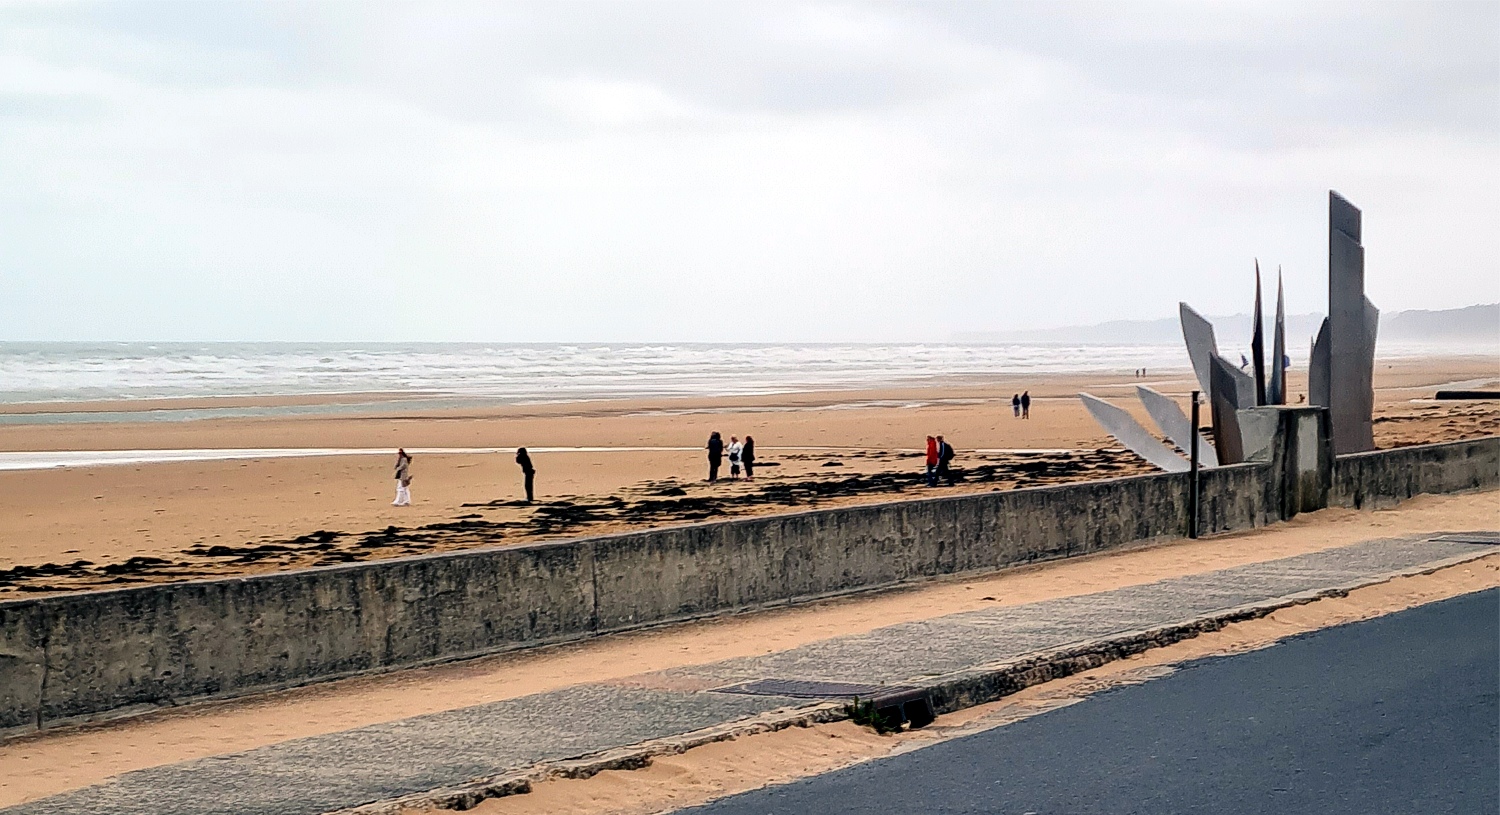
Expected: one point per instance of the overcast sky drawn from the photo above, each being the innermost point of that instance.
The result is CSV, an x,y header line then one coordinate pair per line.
x,y
727,171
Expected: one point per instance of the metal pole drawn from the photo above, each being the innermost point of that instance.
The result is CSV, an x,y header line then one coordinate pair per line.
x,y
1193,456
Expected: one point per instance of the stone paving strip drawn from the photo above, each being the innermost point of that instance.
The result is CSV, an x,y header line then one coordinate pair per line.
x,y
493,749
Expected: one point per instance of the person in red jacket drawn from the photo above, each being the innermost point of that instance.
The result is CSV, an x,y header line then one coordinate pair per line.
x,y
932,461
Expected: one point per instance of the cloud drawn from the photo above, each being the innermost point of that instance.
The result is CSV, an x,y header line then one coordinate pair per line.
x,y
571,171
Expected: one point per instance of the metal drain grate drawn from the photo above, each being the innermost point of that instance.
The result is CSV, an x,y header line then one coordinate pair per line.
x,y
1481,538
805,689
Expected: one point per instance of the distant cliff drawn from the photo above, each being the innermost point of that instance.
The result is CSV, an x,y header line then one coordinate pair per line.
x,y
1471,326
1477,324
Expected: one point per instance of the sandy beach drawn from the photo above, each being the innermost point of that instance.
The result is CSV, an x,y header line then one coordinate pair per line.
x,y
69,528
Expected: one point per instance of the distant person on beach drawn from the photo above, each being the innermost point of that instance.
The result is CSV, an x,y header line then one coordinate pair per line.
x,y
1025,404
715,455
747,456
735,448
945,457
524,459
932,461
403,479
1015,405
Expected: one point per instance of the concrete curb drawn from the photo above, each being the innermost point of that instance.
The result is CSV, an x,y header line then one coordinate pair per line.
x,y
950,692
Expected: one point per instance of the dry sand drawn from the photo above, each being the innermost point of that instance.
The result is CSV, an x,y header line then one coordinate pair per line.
x,y
726,768
67,758
177,512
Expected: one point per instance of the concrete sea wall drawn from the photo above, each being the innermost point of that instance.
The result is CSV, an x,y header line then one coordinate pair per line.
x,y
74,657
1386,477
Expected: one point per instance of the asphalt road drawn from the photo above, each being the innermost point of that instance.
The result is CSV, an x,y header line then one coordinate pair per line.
x,y
1394,715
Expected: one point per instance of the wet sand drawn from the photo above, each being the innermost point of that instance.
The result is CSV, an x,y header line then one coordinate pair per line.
x,y
94,527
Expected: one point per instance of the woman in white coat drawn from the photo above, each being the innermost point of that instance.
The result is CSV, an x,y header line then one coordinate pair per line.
x,y
403,479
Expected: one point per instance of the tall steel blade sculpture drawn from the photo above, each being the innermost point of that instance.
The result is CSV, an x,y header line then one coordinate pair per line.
x,y
1352,323
1174,424
1198,335
1258,343
1318,375
1277,394
1225,397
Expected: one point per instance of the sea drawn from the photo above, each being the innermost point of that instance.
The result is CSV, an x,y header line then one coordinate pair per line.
x,y
526,373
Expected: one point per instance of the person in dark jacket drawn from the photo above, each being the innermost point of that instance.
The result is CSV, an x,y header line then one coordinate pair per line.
x,y
1015,405
1025,404
715,455
747,458
524,459
945,457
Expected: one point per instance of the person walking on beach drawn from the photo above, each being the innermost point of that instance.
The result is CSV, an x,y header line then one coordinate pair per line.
x,y
715,455
1015,405
747,457
945,457
735,448
524,459
932,461
1025,404
403,479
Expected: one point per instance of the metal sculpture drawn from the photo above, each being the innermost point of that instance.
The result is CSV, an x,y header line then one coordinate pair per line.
x,y
1224,398
1198,335
1174,424
1277,393
1341,366
1351,326
1318,375
1258,344
1129,432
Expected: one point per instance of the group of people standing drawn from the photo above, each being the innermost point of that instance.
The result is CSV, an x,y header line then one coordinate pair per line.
x,y
740,455
1020,405
939,456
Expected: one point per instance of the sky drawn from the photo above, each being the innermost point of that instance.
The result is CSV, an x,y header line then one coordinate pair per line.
x,y
728,172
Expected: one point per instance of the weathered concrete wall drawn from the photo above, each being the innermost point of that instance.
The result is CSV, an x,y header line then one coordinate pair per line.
x,y
660,575
71,657
76,655
1385,477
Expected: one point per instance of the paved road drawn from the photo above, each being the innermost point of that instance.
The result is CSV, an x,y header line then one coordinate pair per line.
x,y
1393,715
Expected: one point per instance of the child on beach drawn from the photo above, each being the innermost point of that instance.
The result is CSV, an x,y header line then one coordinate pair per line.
x,y
403,479
735,448
747,457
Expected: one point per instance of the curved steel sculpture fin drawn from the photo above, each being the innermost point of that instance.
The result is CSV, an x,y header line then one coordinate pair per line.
x,y
1174,424
1129,432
